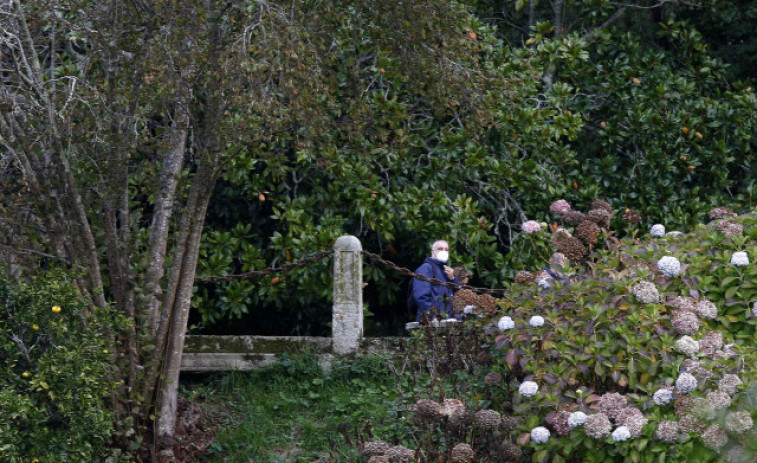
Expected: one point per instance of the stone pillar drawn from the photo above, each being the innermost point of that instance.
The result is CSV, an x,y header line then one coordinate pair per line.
x,y
347,321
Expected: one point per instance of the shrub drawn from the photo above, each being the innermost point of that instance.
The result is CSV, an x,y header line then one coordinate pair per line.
x,y
612,374
55,355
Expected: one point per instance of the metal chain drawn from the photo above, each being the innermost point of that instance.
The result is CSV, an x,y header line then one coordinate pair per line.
x,y
435,281
374,257
268,271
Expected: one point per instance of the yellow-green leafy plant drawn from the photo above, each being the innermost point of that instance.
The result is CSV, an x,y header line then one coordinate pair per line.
x,y
55,358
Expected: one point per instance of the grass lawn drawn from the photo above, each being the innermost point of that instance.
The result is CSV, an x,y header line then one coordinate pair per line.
x,y
294,412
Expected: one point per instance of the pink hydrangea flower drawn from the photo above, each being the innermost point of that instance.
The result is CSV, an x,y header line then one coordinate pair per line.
x,y
531,226
559,207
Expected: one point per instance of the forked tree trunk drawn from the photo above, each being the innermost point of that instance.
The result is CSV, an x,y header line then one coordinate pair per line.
x,y
179,296
171,329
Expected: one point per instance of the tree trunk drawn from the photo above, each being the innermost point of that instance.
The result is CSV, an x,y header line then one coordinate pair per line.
x,y
178,299
164,209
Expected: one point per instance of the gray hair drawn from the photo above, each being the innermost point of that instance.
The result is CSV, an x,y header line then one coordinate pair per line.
x,y
433,245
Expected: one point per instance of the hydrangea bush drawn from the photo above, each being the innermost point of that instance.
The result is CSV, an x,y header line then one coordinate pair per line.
x,y
647,352
657,322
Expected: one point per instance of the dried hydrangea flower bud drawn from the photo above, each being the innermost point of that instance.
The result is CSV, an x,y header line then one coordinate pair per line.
x,y
599,216
646,292
427,410
611,404
686,323
739,422
511,452
488,419
730,228
400,454
377,447
714,437
706,309
524,277
721,212
602,204
668,431
462,453
574,217
493,378
588,232
597,426
729,384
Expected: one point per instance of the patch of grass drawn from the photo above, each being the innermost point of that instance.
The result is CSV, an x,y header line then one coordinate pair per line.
x,y
293,411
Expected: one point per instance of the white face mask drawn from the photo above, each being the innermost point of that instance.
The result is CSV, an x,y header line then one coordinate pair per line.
x,y
442,256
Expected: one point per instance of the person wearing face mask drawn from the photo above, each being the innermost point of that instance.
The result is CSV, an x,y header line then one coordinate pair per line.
x,y
433,301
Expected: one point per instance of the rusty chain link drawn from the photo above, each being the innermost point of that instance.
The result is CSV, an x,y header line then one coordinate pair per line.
x,y
435,281
257,273
323,254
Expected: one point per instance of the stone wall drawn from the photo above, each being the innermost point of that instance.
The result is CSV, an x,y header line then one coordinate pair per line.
x,y
243,353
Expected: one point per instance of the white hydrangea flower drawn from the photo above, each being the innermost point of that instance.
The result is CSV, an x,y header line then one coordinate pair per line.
x,y
754,309
528,389
662,396
468,309
621,433
576,419
540,434
687,345
505,323
686,383
544,283
669,266
658,230
739,259
536,321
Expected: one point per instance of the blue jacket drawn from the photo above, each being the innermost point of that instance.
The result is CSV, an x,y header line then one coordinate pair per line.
x,y
429,297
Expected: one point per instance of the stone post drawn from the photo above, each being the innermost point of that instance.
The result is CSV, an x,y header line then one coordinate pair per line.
x,y
347,321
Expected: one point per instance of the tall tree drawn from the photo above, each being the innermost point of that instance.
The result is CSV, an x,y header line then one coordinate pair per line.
x,y
113,135
118,117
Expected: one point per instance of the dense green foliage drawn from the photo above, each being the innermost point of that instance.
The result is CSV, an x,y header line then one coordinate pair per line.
x,y
599,338
667,138
638,111
608,345
613,331
55,354
393,153
727,27
397,122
